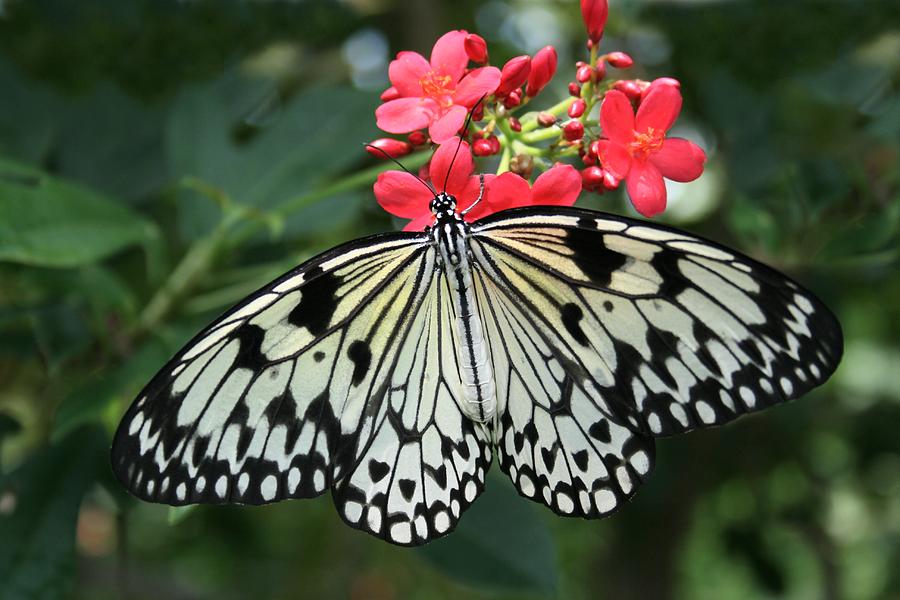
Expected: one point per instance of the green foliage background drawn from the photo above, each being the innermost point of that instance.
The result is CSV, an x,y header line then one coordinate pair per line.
x,y
160,159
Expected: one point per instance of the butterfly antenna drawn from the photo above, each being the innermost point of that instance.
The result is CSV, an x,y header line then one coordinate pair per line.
x,y
400,164
465,127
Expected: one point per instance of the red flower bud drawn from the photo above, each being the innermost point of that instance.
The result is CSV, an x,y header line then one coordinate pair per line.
x,y
478,112
514,124
476,48
592,179
495,143
588,159
619,60
417,138
610,181
584,74
384,147
629,87
543,68
594,13
513,99
391,93
546,119
574,89
573,130
514,74
594,148
482,147
576,109
600,71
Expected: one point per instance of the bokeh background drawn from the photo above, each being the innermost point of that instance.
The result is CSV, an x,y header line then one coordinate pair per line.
x,y
161,159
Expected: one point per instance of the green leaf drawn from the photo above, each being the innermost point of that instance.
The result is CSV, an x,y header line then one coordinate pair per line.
x,y
46,221
215,136
37,526
501,543
91,401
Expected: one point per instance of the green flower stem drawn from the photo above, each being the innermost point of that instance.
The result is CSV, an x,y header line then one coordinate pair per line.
x,y
203,254
504,159
548,133
558,109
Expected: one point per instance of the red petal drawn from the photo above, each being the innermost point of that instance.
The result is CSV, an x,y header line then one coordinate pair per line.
x,y
617,117
448,125
646,188
449,54
659,108
463,166
405,114
420,222
679,160
614,158
478,83
507,190
558,186
401,194
406,71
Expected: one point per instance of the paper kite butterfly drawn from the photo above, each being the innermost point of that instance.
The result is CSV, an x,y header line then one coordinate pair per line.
x,y
391,369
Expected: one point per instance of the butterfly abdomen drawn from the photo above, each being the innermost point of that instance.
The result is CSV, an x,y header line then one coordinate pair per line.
x,y
479,400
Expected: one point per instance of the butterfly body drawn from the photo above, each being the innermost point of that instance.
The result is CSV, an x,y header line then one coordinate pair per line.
x,y
391,370
450,234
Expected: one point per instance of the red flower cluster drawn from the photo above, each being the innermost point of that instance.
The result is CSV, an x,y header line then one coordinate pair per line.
x,y
402,195
629,145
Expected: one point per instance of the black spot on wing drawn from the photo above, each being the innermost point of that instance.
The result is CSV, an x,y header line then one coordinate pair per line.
x,y
594,259
581,459
407,488
250,355
318,297
361,355
377,470
571,317
600,431
318,356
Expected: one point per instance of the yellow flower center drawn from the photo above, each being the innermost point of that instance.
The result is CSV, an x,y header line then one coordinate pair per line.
x,y
438,87
646,143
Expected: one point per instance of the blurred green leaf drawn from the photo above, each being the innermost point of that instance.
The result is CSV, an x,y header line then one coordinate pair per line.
x,y
37,525
46,221
501,543
90,402
215,134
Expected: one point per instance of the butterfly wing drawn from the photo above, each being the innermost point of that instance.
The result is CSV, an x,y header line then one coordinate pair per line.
x,y
291,392
648,331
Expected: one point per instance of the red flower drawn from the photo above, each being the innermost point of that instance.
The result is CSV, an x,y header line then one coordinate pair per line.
x,y
436,94
402,195
638,151
557,186
514,74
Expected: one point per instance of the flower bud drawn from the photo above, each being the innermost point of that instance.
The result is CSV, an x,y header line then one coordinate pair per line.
x,y
576,109
514,74
515,124
522,164
391,93
574,89
600,71
543,68
482,147
546,119
478,112
592,179
384,147
573,130
513,99
584,74
629,87
417,138
594,13
495,143
594,148
619,60
476,48
588,159
610,181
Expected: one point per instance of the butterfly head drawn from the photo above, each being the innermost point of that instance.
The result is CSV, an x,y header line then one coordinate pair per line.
x,y
443,204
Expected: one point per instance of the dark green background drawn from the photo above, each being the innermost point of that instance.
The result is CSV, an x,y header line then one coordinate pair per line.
x,y
129,128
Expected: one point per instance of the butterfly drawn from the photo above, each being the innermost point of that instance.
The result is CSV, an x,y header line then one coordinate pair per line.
x,y
392,369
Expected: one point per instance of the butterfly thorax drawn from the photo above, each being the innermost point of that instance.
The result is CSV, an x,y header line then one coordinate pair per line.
x,y
450,234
